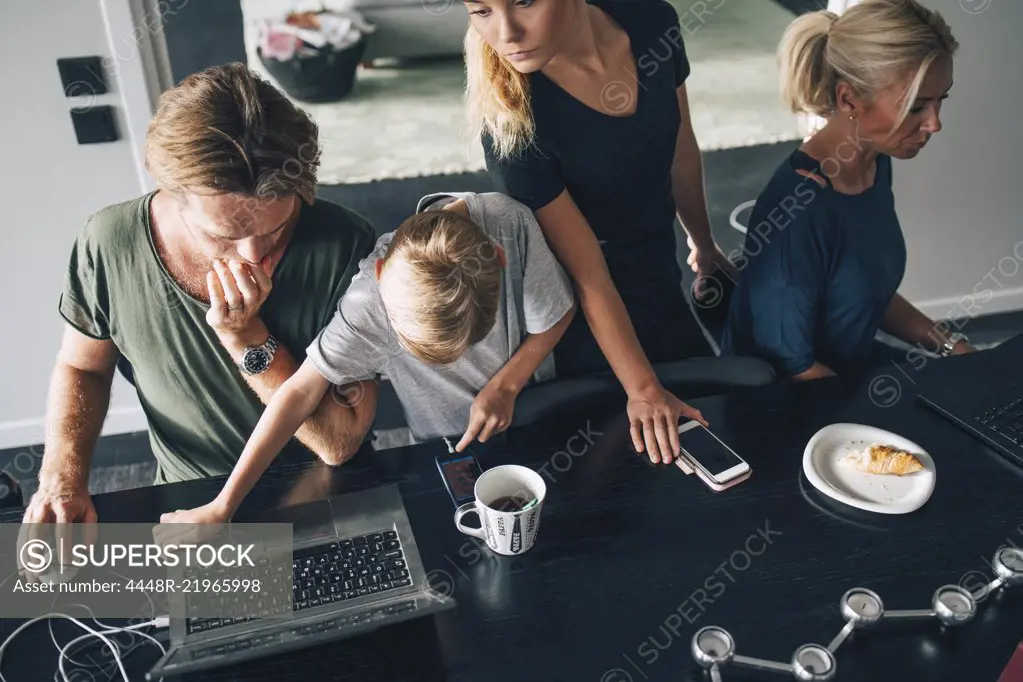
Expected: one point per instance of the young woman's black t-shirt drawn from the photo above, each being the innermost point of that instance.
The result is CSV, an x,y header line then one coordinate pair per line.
x,y
618,171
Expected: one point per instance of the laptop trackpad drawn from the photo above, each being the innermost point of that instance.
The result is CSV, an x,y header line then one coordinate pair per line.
x,y
312,521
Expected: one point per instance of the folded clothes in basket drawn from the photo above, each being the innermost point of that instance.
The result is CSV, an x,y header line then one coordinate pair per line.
x,y
306,33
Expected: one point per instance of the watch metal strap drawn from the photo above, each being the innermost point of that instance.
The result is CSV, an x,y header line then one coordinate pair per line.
x,y
269,346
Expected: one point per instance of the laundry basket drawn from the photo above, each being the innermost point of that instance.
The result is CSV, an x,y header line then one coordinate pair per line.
x,y
315,72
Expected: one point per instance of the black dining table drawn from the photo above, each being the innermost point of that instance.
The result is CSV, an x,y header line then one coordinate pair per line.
x,y
633,558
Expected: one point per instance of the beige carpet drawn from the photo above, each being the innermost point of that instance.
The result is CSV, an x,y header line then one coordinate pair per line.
x,y
409,122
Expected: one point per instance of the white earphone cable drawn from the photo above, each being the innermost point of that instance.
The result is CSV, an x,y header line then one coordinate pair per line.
x,y
101,634
104,638
64,651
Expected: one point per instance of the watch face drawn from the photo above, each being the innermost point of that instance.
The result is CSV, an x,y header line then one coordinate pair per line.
x,y
256,360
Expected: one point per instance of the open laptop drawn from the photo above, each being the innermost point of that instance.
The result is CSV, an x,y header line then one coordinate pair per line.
x,y
983,394
356,568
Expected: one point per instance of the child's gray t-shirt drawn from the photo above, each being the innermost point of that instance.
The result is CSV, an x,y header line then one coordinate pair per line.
x,y
359,344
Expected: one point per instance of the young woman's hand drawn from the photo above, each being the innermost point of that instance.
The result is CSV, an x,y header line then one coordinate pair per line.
x,y
491,413
706,261
653,423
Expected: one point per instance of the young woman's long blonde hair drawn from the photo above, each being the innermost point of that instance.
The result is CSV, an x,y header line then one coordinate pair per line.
x,y
872,46
497,98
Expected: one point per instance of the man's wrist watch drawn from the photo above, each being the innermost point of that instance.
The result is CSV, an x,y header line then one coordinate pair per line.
x,y
257,359
950,342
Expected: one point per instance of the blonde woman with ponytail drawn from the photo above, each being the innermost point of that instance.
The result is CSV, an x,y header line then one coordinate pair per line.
x,y
822,265
583,114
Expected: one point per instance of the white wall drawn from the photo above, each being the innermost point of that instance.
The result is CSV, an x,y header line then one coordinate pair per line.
x,y
51,185
959,200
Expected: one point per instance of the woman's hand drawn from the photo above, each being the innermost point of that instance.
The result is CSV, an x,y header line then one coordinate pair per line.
x,y
653,423
213,512
708,260
491,413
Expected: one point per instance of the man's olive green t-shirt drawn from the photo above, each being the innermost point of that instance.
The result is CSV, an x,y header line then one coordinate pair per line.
x,y
199,407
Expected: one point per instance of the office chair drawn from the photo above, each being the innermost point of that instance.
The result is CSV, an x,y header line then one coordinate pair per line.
x,y
687,379
711,307
11,496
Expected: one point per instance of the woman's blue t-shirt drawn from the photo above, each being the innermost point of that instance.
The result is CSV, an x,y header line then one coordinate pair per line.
x,y
818,270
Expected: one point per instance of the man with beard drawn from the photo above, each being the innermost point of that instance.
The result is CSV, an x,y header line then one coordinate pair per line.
x,y
209,289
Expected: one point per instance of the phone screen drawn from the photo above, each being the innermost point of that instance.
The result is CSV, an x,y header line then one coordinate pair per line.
x,y
461,475
708,450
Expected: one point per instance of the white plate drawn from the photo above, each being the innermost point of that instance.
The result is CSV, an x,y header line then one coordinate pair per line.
x,y
884,494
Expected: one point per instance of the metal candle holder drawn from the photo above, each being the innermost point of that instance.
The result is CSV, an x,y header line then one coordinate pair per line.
x,y
713,647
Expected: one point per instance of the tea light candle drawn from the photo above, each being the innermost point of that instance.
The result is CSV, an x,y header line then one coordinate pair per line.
x,y
1013,558
813,663
953,605
712,645
861,607
1008,566
955,601
864,604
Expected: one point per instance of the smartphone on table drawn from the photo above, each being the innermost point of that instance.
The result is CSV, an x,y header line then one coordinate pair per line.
x,y
459,471
716,463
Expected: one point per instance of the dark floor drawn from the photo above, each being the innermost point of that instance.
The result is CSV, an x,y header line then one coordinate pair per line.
x,y
732,176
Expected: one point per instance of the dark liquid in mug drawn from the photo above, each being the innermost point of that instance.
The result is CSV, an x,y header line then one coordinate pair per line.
x,y
511,504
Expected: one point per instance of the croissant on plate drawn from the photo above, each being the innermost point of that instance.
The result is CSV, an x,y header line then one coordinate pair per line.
x,y
884,459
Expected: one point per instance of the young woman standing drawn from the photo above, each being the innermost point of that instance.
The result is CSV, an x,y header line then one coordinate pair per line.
x,y
584,117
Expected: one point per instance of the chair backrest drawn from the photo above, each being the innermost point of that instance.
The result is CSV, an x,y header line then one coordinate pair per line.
x,y
712,306
565,397
10,492
685,378
733,219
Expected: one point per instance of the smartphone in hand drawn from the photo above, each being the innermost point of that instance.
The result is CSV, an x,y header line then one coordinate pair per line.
x,y
714,462
459,471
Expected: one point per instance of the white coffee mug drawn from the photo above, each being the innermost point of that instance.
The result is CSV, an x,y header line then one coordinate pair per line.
x,y
508,501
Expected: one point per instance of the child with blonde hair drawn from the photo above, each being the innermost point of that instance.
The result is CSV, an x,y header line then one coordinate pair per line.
x,y
459,308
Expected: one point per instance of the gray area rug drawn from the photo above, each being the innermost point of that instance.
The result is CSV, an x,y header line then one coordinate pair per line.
x,y
409,122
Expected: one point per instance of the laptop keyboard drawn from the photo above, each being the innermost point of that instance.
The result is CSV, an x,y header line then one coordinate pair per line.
x,y
1006,420
327,574
341,621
